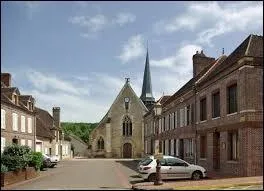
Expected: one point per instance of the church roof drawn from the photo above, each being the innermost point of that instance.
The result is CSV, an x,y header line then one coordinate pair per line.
x,y
146,94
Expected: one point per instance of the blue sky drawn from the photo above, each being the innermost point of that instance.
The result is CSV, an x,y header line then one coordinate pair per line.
x,y
76,55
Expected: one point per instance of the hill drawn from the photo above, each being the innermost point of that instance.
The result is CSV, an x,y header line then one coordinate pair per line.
x,y
81,130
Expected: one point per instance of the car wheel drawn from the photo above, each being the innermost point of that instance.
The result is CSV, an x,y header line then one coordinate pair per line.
x,y
152,177
197,175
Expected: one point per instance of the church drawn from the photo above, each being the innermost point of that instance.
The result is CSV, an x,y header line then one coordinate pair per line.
x,y
120,134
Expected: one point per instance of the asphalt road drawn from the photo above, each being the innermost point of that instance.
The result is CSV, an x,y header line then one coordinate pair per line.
x,y
86,174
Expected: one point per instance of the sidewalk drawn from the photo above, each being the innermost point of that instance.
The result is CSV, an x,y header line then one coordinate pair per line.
x,y
201,184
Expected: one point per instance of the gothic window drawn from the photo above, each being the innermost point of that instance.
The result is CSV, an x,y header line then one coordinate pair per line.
x,y
100,144
127,127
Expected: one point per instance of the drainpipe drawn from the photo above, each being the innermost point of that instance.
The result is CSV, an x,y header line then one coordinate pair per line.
x,y
195,126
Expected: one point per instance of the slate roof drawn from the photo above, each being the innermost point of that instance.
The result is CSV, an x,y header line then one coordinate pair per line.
x,y
163,99
46,118
252,46
146,94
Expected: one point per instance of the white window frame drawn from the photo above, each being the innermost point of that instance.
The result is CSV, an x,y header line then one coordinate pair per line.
x,y
29,125
57,150
172,147
3,143
3,119
23,124
22,142
14,121
30,143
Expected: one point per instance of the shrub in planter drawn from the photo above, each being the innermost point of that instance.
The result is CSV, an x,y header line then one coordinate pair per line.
x,y
16,157
36,160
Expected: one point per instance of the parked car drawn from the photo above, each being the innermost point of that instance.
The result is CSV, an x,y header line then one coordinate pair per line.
x,y
171,168
53,159
46,163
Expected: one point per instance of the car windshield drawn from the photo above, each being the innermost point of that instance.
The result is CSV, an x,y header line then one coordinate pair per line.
x,y
146,161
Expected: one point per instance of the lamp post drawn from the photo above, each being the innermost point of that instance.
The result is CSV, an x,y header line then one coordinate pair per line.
x,y
158,156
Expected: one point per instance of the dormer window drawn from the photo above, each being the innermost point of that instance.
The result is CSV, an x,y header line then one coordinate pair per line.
x,y
15,99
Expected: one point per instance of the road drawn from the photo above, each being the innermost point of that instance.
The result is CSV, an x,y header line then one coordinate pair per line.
x,y
86,174
95,174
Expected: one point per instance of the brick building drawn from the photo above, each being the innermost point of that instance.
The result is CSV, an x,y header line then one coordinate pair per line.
x,y
216,119
18,121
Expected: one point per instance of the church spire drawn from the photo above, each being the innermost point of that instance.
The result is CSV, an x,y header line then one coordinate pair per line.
x,y
146,95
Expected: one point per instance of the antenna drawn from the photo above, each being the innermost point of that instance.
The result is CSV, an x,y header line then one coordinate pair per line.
x,y
223,51
127,80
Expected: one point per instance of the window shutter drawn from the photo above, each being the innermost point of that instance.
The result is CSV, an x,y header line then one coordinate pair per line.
x,y
2,144
3,119
185,116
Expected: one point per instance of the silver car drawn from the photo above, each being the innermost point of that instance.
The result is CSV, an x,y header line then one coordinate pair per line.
x,y
171,168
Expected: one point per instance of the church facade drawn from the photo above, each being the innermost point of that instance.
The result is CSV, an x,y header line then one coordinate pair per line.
x,y
120,134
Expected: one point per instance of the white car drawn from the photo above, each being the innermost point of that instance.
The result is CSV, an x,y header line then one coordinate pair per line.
x,y
54,159
171,168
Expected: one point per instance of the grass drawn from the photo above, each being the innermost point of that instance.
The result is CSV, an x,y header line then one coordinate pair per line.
x,y
213,187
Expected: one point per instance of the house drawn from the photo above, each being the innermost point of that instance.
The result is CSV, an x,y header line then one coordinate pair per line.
x,y
18,120
216,119
50,139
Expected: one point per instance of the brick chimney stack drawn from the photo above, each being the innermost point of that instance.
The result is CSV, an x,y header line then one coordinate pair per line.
x,y
200,61
56,116
6,79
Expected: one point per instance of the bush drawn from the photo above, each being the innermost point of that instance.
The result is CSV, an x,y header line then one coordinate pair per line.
x,y
36,160
3,168
16,157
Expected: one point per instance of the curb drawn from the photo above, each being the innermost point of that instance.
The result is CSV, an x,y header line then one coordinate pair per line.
x,y
150,188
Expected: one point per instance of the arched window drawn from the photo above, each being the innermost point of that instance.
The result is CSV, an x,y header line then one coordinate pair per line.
x,y
100,144
127,126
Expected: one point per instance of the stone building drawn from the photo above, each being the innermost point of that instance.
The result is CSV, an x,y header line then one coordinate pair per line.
x,y
18,121
121,131
216,119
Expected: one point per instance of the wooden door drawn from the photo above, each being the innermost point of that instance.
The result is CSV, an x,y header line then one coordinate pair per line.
x,y
127,150
216,150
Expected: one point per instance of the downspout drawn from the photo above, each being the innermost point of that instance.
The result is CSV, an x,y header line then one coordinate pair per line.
x,y
195,126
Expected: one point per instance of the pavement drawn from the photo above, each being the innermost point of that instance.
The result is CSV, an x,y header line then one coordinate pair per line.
x,y
76,174
204,184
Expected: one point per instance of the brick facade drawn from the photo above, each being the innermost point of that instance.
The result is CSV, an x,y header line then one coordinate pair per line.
x,y
234,141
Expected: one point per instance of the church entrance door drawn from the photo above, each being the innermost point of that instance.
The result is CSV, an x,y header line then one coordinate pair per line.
x,y
127,150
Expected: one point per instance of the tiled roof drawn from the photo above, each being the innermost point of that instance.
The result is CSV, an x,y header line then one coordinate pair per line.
x,y
42,130
45,117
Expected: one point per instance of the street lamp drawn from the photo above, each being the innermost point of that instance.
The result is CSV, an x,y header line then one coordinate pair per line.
x,y
158,156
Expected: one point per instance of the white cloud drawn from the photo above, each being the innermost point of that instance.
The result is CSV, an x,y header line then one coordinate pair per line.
x,y
211,19
132,49
49,82
93,24
124,18
181,61
99,22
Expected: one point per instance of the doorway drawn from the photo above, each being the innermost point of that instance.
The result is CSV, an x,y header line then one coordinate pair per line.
x,y
127,150
181,149
216,150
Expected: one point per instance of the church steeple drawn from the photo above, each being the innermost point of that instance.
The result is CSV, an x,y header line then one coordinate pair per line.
x,y
146,95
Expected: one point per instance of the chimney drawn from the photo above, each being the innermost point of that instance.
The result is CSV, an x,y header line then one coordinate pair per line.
x,y
56,116
200,61
6,79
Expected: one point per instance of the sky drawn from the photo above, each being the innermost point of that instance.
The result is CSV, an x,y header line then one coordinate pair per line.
x,y
76,55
